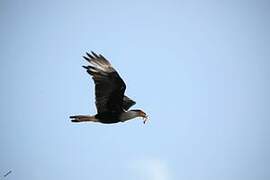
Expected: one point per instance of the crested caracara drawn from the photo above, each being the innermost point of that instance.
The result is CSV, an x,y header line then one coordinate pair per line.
x,y
111,103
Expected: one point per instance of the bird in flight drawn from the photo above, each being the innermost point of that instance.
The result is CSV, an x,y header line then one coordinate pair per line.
x,y
111,102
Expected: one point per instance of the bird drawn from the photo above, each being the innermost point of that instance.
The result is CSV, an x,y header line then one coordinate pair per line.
x,y
111,102
9,172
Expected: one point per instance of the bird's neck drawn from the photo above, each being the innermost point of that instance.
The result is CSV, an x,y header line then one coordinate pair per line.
x,y
129,115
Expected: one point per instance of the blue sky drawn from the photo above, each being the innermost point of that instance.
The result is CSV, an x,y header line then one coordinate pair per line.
x,y
200,69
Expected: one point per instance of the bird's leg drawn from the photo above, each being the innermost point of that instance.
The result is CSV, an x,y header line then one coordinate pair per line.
x,y
83,118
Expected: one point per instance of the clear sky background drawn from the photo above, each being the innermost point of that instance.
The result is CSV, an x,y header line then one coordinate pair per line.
x,y
200,69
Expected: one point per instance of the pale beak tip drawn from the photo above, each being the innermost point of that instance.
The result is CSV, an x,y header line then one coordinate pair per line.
x,y
145,119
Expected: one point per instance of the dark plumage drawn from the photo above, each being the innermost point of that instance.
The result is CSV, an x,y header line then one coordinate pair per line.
x,y
111,103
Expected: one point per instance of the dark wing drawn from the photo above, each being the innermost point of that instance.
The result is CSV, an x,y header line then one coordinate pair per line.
x,y
127,103
109,87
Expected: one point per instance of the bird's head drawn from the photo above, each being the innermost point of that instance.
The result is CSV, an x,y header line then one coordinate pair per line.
x,y
142,114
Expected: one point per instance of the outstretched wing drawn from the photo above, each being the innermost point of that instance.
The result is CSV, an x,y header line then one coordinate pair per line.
x,y
109,86
127,103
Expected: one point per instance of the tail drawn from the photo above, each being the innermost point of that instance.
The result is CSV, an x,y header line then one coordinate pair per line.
x,y
83,118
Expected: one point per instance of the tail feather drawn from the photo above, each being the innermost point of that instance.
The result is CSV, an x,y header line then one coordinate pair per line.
x,y
83,118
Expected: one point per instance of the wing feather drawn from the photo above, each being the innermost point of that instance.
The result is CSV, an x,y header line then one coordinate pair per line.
x,y
109,86
127,103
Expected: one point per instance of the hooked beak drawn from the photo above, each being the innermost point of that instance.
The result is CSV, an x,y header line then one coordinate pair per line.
x,y
144,116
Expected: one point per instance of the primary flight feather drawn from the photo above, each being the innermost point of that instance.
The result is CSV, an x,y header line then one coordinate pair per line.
x,y
111,103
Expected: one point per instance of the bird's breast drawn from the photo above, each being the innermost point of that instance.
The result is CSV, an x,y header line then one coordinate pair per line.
x,y
109,117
